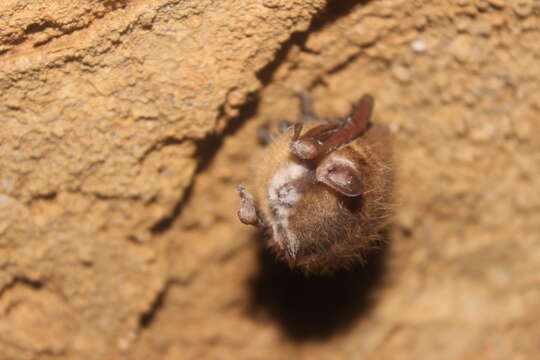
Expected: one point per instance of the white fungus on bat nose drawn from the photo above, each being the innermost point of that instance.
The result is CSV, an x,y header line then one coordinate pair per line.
x,y
283,194
282,191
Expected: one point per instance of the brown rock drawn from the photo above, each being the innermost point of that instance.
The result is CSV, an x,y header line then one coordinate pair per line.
x,y
126,126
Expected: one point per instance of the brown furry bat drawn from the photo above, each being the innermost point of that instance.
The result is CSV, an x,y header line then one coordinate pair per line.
x,y
323,190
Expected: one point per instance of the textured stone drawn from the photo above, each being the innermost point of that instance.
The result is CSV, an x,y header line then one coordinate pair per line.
x,y
126,126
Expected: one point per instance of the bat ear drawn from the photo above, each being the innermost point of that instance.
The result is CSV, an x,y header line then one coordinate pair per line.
x,y
341,174
248,211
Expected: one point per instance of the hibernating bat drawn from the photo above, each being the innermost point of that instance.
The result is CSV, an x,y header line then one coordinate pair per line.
x,y
323,190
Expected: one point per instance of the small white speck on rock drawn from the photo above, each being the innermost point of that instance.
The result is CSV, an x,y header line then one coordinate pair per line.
x,y
419,45
394,127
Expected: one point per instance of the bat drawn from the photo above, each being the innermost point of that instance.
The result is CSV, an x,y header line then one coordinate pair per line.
x,y
322,189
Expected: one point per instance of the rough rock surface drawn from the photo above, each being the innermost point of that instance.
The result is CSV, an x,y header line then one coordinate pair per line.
x,y
126,125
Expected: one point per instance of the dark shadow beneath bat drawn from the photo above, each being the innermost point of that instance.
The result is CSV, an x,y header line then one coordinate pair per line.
x,y
315,307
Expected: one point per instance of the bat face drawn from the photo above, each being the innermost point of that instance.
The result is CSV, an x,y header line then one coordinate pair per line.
x,y
322,190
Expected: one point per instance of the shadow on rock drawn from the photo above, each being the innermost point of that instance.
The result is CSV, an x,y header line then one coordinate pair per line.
x,y
314,307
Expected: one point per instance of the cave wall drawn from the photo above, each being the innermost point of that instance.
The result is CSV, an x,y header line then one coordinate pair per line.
x,y
126,126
